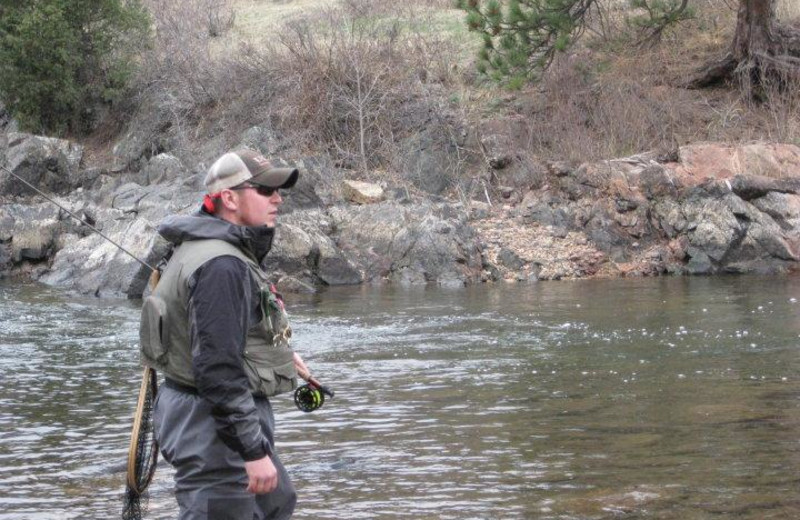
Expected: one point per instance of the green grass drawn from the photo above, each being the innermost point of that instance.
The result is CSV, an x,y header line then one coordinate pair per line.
x,y
256,20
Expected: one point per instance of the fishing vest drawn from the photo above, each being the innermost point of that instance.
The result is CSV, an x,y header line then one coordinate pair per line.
x,y
165,341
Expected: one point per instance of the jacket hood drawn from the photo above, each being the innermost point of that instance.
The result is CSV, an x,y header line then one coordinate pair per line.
x,y
253,240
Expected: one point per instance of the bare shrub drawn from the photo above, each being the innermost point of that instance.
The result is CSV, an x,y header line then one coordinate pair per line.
x,y
219,15
589,116
182,74
353,82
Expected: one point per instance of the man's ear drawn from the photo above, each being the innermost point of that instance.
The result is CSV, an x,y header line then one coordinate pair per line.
x,y
228,200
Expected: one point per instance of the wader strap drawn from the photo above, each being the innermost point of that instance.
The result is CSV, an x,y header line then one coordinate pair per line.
x,y
178,387
169,383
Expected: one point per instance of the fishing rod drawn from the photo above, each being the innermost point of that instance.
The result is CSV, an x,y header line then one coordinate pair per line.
x,y
143,448
315,386
76,217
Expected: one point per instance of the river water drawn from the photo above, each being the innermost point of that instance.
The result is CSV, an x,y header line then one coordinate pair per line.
x,y
649,398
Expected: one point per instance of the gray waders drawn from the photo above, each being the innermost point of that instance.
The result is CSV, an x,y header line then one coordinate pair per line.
x,y
211,482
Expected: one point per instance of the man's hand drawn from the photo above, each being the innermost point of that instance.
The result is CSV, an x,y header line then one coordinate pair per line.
x,y
262,474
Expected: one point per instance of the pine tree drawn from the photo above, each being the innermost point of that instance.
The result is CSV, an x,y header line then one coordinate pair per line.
x,y
61,58
521,37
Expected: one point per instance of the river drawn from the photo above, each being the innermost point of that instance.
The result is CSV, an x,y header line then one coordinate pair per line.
x,y
644,398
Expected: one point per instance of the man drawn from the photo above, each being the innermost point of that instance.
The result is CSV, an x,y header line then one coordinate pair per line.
x,y
216,329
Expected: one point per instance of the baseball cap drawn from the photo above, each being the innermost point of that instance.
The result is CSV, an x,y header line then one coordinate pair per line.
x,y
244,165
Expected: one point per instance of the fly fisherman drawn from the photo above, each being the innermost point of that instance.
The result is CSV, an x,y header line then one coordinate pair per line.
x,y
218,332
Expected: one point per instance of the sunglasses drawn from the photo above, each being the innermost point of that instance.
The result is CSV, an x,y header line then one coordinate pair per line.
x,y
262,190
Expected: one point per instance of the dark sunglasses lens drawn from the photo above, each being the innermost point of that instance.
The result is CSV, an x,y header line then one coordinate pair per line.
x,y
264,191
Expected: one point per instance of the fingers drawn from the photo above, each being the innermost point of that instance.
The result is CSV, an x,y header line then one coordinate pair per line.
x,y
262,477
260,486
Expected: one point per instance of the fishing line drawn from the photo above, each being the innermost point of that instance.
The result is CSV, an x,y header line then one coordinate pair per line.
x,y
143,448
76,217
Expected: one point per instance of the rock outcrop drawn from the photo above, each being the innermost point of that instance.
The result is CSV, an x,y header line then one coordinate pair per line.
x,y
637,216
705,209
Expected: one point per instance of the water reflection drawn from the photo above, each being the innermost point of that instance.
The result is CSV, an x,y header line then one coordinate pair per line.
x,y
658,398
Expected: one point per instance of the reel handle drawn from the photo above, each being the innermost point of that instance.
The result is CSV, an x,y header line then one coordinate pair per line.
x,y
316,384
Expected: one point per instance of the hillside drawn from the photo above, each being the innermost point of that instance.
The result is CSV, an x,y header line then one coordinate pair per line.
x,y
389,93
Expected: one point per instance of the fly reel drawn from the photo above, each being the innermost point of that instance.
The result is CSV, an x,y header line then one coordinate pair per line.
x,y
311,396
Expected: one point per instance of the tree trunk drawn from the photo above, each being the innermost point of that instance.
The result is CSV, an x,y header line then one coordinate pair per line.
x,y
755,33
761,53
754,43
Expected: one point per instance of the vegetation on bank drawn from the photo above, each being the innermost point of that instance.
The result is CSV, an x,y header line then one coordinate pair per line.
x,y
374,85
62,60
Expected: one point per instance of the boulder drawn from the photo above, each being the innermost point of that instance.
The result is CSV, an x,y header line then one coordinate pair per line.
x,y
264,139
150,133
304,194
51,165
427,161
656,182
30,232
360,192
92,265
303,249
161,168
722,161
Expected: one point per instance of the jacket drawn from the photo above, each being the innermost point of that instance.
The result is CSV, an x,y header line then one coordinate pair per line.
x,y
215,324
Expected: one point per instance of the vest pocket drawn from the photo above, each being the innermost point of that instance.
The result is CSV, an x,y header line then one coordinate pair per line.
x,y
274,380
151,331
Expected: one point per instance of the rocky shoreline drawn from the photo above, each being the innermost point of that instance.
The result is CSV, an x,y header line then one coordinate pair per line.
x,y
706,209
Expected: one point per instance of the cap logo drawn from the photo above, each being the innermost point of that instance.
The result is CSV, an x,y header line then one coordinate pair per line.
x,y
261,160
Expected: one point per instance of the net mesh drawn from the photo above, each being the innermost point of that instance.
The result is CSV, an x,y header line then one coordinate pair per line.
x,y
144,450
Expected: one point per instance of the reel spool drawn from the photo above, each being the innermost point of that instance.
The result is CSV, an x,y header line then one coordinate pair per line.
x,y
311,396
308,398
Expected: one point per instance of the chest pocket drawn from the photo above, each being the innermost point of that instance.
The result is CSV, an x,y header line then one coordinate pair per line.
x,y
269,359
274,318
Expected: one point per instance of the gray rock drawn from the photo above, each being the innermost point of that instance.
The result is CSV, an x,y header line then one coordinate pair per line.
x,y
93,265
304,194
30,232
656,182
408,244
290,284
360,192
49,164
510,259
301,244
161,168
151,133
713,227
427,161
337,270
264,139
784,208
699,262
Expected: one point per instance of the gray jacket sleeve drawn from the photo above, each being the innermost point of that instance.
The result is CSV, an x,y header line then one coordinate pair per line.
x,y
223,305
